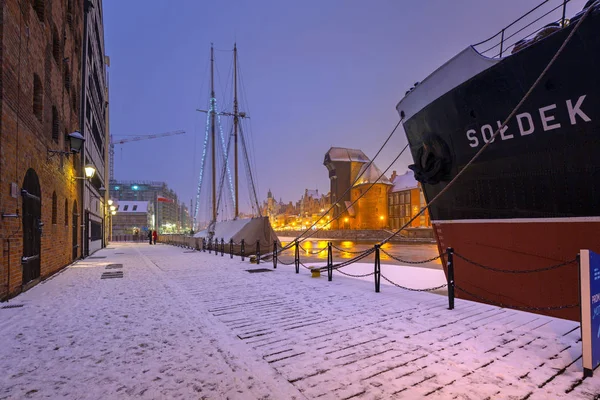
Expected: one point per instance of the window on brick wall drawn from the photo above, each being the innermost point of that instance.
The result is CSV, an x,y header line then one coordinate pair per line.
x,y
54,124
40,9
67,78
54,208
55,45
66,212
38,97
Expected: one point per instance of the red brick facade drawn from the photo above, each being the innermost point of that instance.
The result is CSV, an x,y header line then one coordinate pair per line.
x,y
40,58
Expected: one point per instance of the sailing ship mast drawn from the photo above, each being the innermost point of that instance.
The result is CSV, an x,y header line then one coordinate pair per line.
x,y
212,136
235,130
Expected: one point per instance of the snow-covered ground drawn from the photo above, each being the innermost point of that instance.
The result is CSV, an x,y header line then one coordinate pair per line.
x,y
183,324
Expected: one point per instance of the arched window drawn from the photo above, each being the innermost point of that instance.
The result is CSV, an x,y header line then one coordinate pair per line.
x,y
40,9
55,45
54,208
66,212
38,101
67,78
55,126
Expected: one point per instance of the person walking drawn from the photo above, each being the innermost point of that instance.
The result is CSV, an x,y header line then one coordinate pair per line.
x,y
150,236
154,236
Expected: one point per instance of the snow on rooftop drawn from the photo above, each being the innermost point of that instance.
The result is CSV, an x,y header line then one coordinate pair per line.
x,y
369,174
405,182
343,154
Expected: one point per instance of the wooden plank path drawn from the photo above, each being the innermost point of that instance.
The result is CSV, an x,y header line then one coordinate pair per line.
x,y
341,340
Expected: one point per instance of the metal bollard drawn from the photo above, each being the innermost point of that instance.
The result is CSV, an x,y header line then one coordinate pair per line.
x,y
329,262
377,269
209,246
274,254
450,264
222,247
297,257
242,249
258,252
230,248
216,247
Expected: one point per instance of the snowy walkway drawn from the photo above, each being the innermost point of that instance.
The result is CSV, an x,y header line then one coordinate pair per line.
x,y
183,324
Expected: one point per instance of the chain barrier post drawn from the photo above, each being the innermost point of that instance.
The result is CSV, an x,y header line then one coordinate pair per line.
x,y
216,247
243,249
377,268
230,248
274,254
222,247
258,252
209,246
329,262
450,263
297,257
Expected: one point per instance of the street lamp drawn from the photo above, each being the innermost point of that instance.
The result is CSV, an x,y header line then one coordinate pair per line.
x,y
381,218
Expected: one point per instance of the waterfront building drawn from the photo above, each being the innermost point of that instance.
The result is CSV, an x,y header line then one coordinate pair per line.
x,y
132,220
405,200
343,166
369,195
170,215
40,193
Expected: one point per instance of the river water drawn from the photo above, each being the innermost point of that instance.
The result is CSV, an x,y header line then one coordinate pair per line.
x,y
391,253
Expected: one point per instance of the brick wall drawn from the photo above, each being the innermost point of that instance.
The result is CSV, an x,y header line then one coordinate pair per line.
x,y
27,49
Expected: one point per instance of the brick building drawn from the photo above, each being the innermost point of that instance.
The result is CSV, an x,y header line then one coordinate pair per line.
x,y
369,195
40,199
343,166
405,200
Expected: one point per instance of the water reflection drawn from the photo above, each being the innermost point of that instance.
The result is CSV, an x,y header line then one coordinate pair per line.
x,y
316,251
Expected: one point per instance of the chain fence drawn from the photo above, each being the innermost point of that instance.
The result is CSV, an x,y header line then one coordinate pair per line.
x,y
516,271
521,308
412,262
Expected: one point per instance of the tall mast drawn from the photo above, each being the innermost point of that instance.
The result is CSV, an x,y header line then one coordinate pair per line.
x,y
235,128
212,134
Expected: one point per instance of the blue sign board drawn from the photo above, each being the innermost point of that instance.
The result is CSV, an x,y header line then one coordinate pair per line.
x,y
589,271
595,306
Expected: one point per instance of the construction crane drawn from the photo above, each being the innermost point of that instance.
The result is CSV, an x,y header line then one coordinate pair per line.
x,y
133,139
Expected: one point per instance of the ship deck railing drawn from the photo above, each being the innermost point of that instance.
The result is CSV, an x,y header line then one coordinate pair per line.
x,y
526,29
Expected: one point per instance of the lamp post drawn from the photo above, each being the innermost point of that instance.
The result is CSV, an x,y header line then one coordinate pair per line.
x,y
112,212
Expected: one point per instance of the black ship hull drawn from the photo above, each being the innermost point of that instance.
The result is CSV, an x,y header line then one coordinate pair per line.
x,y
532,199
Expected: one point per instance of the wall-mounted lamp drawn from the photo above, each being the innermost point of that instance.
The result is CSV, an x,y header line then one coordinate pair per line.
x,y
90,171
110,202
75,142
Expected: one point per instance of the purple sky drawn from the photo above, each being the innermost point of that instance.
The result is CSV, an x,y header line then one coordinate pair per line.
x,y
315,73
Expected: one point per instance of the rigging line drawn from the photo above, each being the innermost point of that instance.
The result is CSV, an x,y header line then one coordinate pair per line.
x,y
202,164
249,173
249,123
224,169
331,207
224,150
511,115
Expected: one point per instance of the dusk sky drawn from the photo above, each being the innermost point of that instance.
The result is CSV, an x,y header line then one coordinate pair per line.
x,y
315,73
